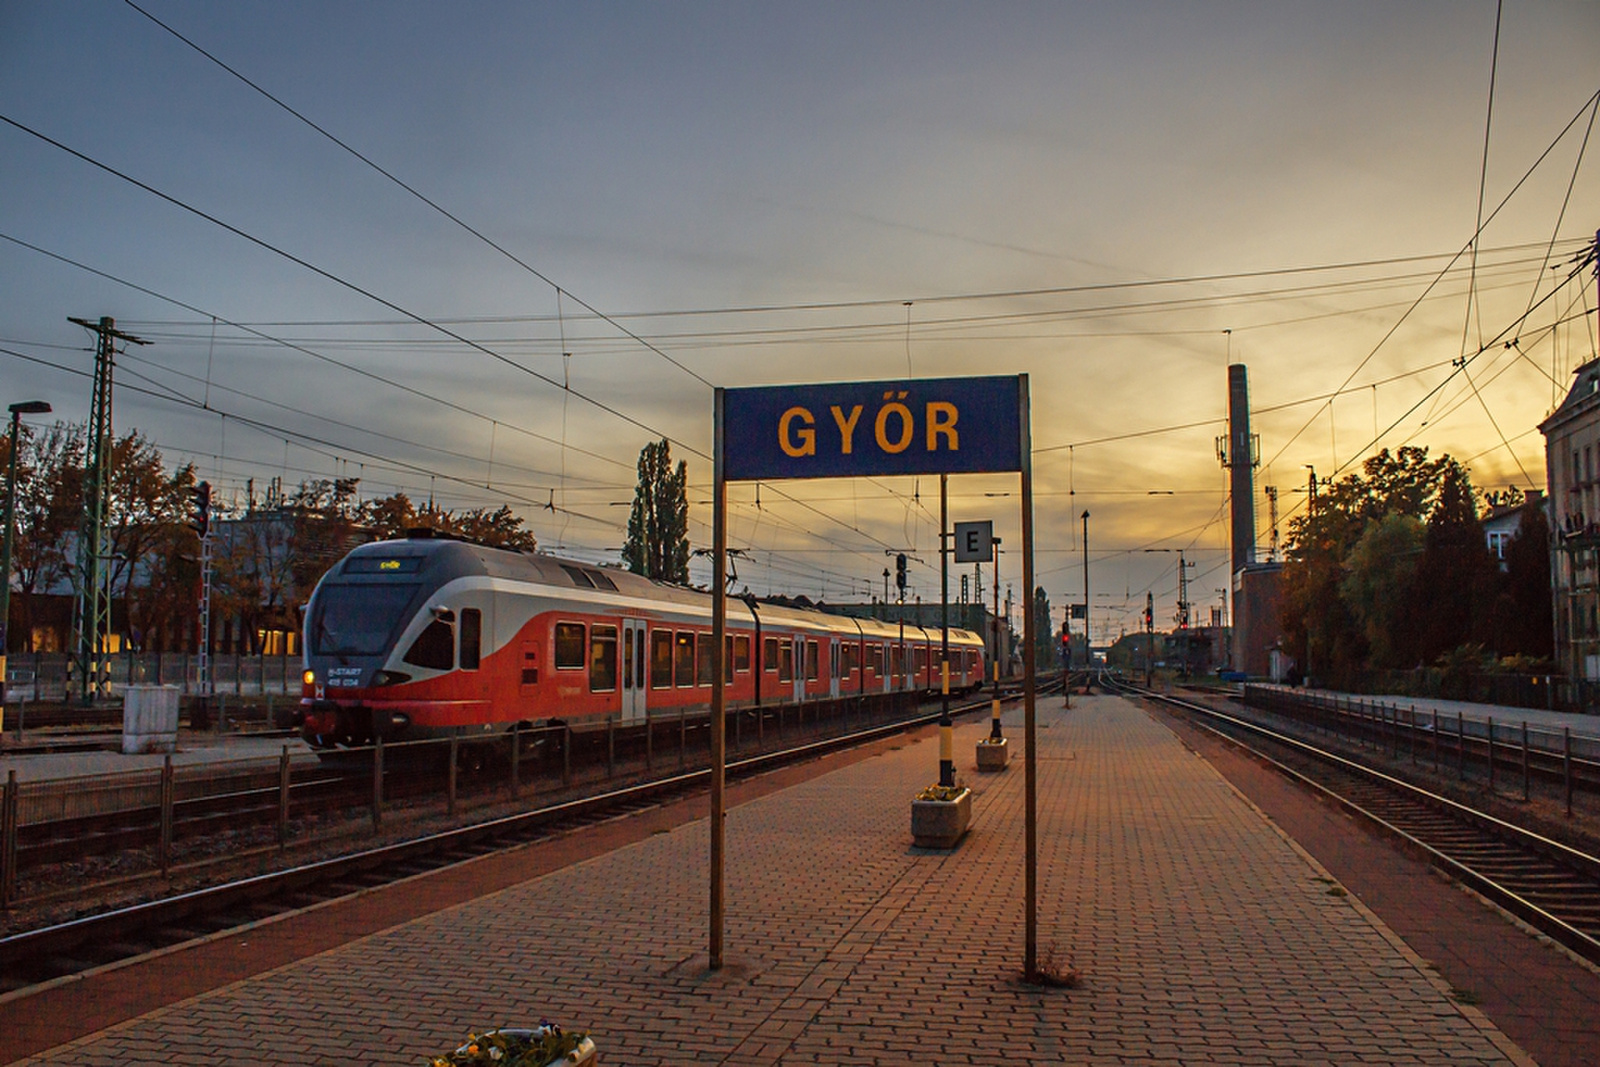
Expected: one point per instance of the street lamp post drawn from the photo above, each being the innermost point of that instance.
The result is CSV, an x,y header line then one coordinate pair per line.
x,y
1088,644
1311,511
26,407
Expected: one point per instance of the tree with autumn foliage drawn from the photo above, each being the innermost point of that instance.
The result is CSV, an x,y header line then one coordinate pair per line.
x,y
392,516
1388,568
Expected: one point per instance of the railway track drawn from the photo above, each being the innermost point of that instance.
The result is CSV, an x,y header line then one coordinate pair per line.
x,y
58,952
1550,886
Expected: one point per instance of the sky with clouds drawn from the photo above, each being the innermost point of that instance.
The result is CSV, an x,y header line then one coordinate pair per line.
x,y
1117,200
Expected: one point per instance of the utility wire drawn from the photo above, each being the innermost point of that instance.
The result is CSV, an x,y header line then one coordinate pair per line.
x,y
1460,366
1392,330
409,189
292,346
341,282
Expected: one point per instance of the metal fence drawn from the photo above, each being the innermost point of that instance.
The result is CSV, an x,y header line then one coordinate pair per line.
x,y
1550,692
1499,751
43,821
43,676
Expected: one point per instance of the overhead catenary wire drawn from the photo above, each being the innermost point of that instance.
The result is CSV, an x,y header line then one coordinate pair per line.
x,y
421,394
339,281
412,191
1587,104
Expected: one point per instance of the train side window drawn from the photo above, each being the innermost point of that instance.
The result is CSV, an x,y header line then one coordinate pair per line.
x,y
435,647
786,661
813,667
769,654
683,658
471,638
703,667
741,653
847,660
570,646
661,659
602,658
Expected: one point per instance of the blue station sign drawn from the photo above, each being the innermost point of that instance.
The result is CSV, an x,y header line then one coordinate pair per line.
x,y
848,429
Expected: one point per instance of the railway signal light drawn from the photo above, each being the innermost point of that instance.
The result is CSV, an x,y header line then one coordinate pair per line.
x,y
200,522
900,571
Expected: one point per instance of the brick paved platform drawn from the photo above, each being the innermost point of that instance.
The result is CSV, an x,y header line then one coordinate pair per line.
x,y
1202,934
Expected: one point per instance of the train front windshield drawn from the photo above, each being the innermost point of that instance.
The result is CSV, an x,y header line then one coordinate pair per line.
x,y
357,620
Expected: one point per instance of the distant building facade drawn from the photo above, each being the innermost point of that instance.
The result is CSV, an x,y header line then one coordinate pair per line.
x,y
1572,466
1257,631
1503,522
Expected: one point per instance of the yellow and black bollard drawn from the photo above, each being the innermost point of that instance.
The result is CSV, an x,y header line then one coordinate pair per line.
x,y
994,708
947,755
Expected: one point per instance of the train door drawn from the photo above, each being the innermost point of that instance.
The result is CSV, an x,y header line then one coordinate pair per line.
x,y
799,668
833,667
633,670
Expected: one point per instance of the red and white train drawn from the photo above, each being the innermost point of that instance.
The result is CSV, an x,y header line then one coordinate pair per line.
x,y
424,637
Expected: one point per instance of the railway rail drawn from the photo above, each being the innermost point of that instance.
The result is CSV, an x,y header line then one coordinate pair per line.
x,y
1549,885
56,952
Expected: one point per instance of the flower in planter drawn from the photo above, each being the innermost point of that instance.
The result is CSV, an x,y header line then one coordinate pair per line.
x,y
545,1045
941,792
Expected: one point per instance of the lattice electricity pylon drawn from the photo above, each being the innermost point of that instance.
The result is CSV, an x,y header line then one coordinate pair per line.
x,y
91,622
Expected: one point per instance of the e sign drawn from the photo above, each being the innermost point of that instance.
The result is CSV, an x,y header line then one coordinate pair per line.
x,y
974,542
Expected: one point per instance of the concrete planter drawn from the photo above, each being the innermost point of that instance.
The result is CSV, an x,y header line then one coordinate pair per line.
x,y
941,823
992,755
150,719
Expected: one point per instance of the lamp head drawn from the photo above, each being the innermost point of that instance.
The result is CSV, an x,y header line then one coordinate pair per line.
x,y
31,407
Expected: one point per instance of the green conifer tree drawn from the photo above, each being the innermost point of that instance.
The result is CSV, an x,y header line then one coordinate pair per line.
x,y
658,526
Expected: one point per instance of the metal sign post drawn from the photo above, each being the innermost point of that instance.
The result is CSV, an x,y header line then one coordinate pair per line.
x,y
917,426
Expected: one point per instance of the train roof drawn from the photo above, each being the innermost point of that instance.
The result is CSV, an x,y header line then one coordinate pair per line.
x,y
442,559
446,558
